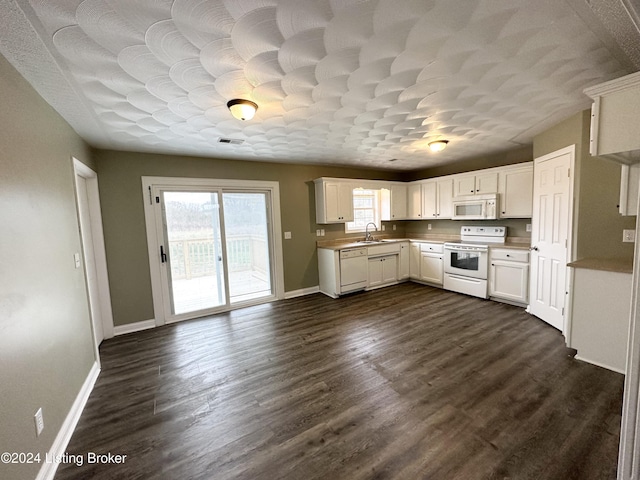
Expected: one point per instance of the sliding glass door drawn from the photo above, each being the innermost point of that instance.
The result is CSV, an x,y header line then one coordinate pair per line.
x,y
247,236
215,248
193,255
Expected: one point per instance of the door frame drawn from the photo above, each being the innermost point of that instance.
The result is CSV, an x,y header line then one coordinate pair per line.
x,y
155,266
571,150
103,303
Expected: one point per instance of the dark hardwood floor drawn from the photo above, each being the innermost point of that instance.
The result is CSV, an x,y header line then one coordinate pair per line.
x,y
406,382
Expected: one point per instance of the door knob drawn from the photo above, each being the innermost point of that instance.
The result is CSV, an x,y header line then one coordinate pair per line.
x,y
534,248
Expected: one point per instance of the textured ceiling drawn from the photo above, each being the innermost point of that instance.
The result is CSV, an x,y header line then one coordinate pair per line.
x,y
337,81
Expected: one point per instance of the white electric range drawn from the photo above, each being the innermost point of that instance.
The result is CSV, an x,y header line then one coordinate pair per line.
x,y
466,263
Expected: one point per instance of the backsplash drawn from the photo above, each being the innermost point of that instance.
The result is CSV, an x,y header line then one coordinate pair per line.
x,y
516,227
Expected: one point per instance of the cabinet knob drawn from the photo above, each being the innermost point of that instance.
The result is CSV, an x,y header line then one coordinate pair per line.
x,y
471,191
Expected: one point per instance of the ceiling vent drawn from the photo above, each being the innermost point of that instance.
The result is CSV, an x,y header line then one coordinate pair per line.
x,y
231,141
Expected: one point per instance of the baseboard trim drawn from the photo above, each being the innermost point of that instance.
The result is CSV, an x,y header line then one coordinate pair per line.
x,y
302,292
134,327
48,469
599,364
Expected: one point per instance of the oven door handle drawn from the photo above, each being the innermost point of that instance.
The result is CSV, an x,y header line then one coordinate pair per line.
x,y
466,249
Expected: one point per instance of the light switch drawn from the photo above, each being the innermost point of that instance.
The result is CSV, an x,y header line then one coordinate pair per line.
x,y
287,235
318,233
322,232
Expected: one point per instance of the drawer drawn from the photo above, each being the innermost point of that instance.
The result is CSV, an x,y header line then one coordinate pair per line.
x,y
432,247
510,255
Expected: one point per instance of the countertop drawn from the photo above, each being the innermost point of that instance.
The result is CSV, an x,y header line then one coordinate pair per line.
x,y
520,243
604,264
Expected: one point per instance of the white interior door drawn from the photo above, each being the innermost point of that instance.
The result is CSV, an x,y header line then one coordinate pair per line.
x,y
89,259
552,203
94,256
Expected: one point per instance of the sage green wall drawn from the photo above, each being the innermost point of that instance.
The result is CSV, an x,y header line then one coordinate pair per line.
x,y
46,346
119,177
597,225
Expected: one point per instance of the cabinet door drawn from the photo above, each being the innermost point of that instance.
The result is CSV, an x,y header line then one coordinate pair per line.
x,y
430,200
398,202
390,269
431,269
345,202
375,272
509,280
404,262
487,183
464,185
516,192
335,205
414,260
414,200
445,198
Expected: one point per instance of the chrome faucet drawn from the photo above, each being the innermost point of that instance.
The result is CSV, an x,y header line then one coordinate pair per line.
x,y
367,234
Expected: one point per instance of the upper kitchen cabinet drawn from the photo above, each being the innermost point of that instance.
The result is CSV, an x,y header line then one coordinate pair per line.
x,y
516,191
394,201
437,198
615,119
414,201
629,186
475,183
334,200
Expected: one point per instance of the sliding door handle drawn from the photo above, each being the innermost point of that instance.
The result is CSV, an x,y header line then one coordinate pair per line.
x,y
163,256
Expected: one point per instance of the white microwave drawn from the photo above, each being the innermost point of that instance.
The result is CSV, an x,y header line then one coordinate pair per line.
x,y
476,207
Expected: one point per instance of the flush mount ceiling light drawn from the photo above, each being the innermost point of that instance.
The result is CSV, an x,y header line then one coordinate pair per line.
x,y
438,145
242,109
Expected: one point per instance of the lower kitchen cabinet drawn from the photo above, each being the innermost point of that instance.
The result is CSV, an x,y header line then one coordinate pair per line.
x,y
431,268
383,270
509,275
426,264
404,261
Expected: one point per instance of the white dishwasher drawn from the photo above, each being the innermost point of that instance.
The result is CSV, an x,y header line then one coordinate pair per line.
x,y
353,269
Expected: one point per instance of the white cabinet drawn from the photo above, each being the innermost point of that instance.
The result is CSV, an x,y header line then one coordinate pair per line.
x,y
509,275
437,198
383,270
426,263
394,201
414,261
615,119
431,263
334,200
414,201
476,183
516,191
404,261
629,185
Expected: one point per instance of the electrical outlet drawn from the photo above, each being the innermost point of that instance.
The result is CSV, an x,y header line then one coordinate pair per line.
x,y
287,235
628,235
322,232
39,419
76,259
528,227
428,226
394,226
383,227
